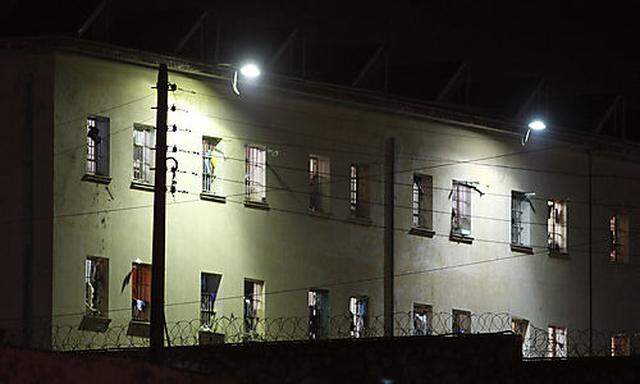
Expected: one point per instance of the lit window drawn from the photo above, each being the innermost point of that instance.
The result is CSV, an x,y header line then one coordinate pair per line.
x,y
253,306
255,174
358,308
96,282
211,156
519,326
97,146
461,209
209,285
422,319
557,341
521,208
557,226
422,202
619,234
141,292
319,182
144,143
359,190
620,345
318,314
461,321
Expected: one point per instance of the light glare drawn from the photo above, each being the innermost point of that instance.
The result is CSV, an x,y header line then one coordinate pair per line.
x,y
250,71
537,125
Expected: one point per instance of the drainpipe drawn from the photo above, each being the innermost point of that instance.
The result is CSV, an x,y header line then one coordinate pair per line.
x,y
590,198
28,178
389,158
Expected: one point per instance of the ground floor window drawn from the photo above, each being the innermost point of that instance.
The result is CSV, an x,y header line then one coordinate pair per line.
x,y
209,285
557,341
318,314
620,345
253,305
141,292
358,308
461,321
96,278
422,319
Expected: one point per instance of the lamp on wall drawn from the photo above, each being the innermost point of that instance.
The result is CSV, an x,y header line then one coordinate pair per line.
x,y
534,125
249,71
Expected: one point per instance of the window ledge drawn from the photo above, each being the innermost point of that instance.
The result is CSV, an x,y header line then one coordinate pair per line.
x,y
96,178
94,323
521,249
558,254
424,232
212,197
139,328
142,186
461,238
360,220
257,205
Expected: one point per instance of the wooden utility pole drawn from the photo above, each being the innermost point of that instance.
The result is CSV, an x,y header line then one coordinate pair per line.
x,y
389,158
159,220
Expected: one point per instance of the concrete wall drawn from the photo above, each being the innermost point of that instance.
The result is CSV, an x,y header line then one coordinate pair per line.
x,y
292,250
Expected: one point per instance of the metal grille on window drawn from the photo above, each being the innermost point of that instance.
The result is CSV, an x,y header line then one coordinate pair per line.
x,y
143,155
92,137
461,321
253,306
421,202
319,194
318,314
422,319
359,315
461,210
255,174
209,285
557,342
210,164
556,226
353,188
96,285
520,218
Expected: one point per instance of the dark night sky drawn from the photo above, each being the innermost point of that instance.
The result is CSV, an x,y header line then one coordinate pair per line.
x,y
585,51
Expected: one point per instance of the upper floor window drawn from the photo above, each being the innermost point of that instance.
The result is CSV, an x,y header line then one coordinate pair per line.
x,y
211,156
144,143
359,190
557,226
619,235
521,208
319,182
461,209
97,146
255,174
422,201
141,292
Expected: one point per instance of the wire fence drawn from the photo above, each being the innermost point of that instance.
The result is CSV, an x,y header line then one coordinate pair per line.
x,y
537,343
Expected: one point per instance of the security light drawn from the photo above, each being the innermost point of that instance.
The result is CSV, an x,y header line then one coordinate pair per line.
x,y
534,125
537,125
250,71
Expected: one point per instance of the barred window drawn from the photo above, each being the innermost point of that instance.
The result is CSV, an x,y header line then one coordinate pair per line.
x,y
461,209
255,174
422,201
141,292
620,345
211,156
359,190
557,341
358,308
521,208
96,279
253,305
461,321
619,235
144,143
318,314
422,319
557,226
209,285
319,182
97,146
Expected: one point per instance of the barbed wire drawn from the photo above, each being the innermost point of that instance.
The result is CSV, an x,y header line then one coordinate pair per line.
x,y
537,343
